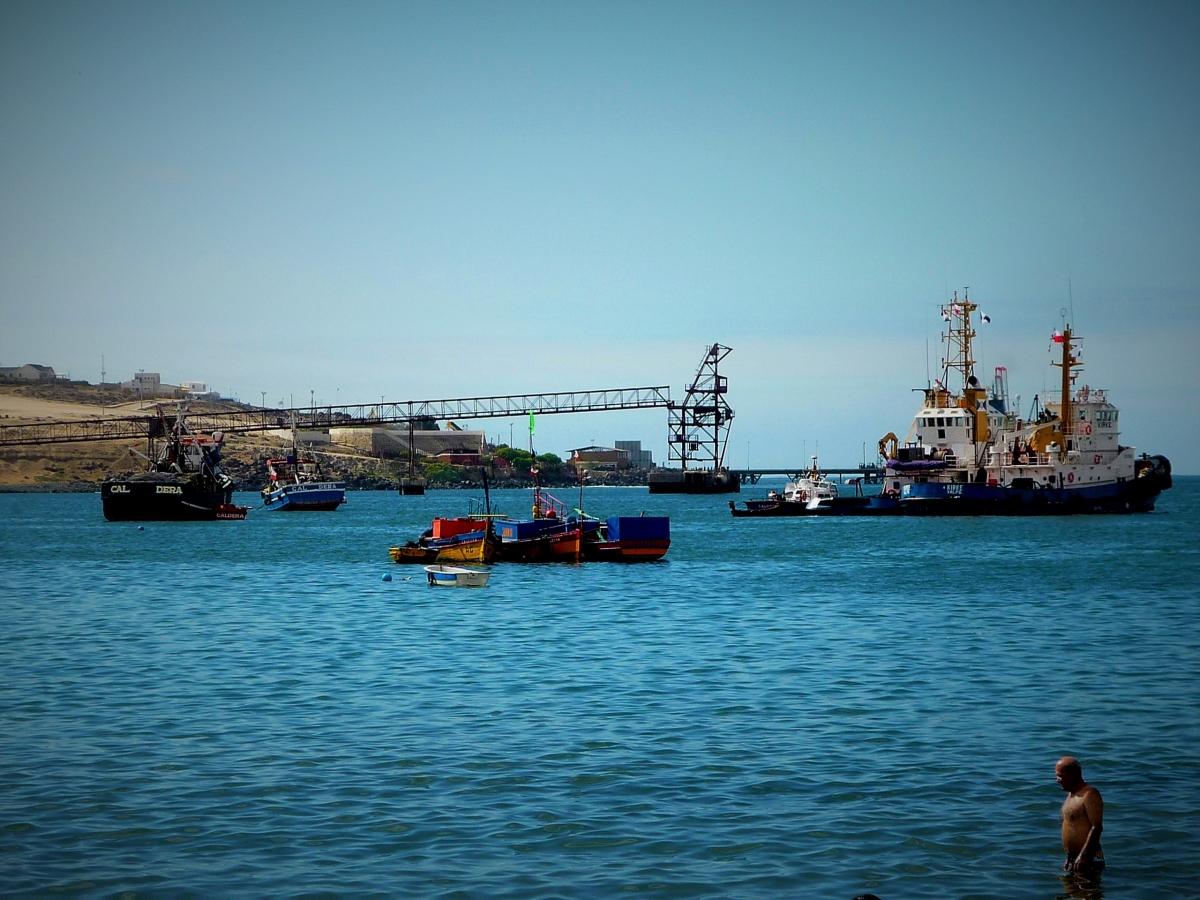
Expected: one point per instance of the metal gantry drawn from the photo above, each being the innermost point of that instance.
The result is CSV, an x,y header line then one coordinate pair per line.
x,y
351,416
699,426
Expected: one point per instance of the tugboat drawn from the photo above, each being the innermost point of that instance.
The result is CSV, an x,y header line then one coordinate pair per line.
x,y
296,483
968,453
183,481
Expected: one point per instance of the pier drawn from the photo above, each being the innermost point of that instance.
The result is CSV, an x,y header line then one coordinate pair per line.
x,y
364,415
872,473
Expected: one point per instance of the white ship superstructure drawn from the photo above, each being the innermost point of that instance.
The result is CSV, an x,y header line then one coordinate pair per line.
x,y
968,452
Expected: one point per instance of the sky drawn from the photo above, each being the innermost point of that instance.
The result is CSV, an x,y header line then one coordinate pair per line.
x,y
437,200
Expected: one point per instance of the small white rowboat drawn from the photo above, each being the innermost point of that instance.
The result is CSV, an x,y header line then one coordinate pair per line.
x,y
456,576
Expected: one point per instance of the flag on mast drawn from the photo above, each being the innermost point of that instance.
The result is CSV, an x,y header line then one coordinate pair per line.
x,y
531,424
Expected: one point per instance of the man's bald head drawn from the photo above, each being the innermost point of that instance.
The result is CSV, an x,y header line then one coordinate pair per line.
x,y
1068,773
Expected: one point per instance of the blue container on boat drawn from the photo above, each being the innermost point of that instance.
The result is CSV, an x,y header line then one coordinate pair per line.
x,y
523,529
639,528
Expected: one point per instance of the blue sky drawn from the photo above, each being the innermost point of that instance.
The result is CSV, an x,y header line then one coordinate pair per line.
x,y
441,200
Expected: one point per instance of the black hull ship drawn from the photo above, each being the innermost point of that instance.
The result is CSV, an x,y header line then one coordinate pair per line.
x,y
184,481
970,453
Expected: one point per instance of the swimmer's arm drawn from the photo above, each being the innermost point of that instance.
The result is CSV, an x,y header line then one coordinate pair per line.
x,y
1094,807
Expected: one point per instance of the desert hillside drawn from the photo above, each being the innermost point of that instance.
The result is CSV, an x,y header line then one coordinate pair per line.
x,y
82,466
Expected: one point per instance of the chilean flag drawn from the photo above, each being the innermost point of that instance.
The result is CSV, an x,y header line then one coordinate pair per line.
x,y
1057,337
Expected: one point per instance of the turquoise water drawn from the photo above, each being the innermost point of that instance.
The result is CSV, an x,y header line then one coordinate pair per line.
x,y
783,708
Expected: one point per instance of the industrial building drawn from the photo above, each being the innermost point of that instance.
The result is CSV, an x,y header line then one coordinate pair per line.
x,y
27,374
393,442
625,455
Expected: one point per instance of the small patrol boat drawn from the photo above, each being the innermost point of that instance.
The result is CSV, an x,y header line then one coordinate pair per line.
x,y
808,493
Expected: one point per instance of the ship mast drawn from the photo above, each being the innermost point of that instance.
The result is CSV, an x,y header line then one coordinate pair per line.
x,y
959,334
1069,362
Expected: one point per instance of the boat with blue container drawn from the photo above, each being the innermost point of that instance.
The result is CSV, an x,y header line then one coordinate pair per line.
x,y
552,534
630,539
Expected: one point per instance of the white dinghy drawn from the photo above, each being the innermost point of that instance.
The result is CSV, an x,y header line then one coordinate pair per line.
x,y
456,576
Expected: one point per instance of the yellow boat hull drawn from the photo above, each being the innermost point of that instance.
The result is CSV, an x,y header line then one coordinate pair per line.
x,y
481,551
412,554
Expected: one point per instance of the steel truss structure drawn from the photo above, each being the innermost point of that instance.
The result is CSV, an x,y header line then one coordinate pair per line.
x,y
358,415
699,426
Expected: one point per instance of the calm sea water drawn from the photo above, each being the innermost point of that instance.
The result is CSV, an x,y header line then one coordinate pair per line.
x,y
783,708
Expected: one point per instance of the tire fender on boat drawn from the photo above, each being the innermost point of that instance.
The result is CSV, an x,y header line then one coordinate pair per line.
x,y
1070,476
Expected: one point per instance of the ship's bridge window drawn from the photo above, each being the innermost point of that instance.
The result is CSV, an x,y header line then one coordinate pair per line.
x,y
941,421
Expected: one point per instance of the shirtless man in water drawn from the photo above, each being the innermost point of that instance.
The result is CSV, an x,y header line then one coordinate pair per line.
x,y
1082,819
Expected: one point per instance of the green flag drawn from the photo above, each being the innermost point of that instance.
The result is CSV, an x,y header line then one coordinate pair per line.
x,y
531,424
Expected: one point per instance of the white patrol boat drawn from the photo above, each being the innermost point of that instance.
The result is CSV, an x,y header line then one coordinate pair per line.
x,y
810,488
969,453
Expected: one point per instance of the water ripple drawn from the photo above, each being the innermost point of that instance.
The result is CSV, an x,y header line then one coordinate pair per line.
x,y
782,709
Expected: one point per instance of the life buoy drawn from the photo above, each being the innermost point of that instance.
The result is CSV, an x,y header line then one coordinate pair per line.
x,y
1096,459
1087,429
1070,476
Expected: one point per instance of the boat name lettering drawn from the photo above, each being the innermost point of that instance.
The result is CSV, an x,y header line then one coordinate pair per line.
x,y
954,490
119,489
168,489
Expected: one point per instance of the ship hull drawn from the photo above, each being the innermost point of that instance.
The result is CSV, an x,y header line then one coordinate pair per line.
x,y
699,481
411,487
837,506
306,497
159,501
626,551
939,499
482,550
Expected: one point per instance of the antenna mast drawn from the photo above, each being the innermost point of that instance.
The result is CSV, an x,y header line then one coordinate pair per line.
x,y
1069,363
959,333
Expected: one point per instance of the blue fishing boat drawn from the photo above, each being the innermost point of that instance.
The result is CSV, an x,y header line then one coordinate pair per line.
x,y
296,483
